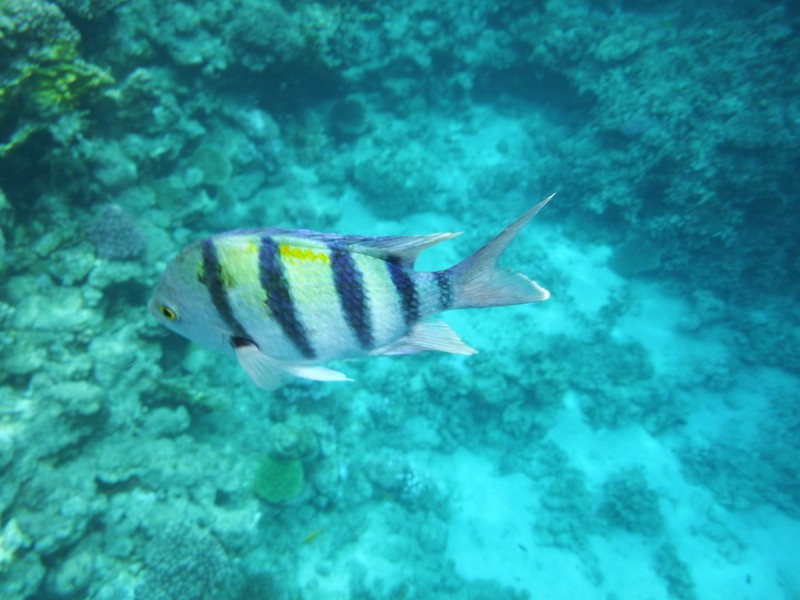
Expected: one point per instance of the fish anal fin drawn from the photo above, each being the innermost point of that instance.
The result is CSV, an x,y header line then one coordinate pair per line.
x,y
426,336
316,373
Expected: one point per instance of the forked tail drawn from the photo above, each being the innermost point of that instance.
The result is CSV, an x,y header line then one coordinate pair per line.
x,y
478,281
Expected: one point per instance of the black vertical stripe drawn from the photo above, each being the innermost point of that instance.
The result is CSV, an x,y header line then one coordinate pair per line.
x,y
404,284
212,278
442,280
350,287
279,297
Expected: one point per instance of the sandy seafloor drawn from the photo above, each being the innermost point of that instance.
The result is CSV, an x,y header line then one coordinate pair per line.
x,y
636,436
489,532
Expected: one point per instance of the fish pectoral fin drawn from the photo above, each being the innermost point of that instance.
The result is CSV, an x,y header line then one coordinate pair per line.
x,y
316,373
426,335
269,374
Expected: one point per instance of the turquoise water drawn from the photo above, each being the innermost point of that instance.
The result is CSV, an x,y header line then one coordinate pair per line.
x,y
636,436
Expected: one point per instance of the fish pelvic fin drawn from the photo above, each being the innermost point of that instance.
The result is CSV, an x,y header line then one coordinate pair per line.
x,y
478,281
270,374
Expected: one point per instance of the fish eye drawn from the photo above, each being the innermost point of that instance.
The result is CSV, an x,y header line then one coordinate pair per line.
x,y
167,312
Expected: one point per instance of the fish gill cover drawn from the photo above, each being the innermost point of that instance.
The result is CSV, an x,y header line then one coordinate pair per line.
x,y
636,435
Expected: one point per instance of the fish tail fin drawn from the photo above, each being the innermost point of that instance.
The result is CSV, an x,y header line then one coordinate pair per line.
x,y
477,280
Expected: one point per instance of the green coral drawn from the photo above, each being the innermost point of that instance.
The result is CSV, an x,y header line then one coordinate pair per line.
x,y
278,479
42,75
60,83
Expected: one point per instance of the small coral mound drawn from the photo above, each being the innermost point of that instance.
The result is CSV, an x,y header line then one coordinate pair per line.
x,y
115,234
293,441
186,563
674,572
278,480
630,504
349,117
262,34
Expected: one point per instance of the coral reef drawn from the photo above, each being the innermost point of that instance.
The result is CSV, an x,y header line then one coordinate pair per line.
x,y
675,572
761,475
401,480
262,34
628,502
44,77
130,460
183,562
293,441
566,520
90,9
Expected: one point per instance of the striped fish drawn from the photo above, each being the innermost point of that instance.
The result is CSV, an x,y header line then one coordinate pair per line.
x,y
284,301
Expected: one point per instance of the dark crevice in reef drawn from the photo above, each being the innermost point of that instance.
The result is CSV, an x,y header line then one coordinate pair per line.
x,y
550,90
283,89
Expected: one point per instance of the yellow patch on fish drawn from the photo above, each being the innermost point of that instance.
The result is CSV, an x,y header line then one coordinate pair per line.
x,y
228,281
238,262
292,253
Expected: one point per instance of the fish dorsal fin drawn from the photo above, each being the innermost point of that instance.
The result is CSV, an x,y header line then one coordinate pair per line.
x,y
404,249
270,374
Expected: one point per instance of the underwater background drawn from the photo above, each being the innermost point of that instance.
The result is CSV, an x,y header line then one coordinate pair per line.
x,y
637,436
